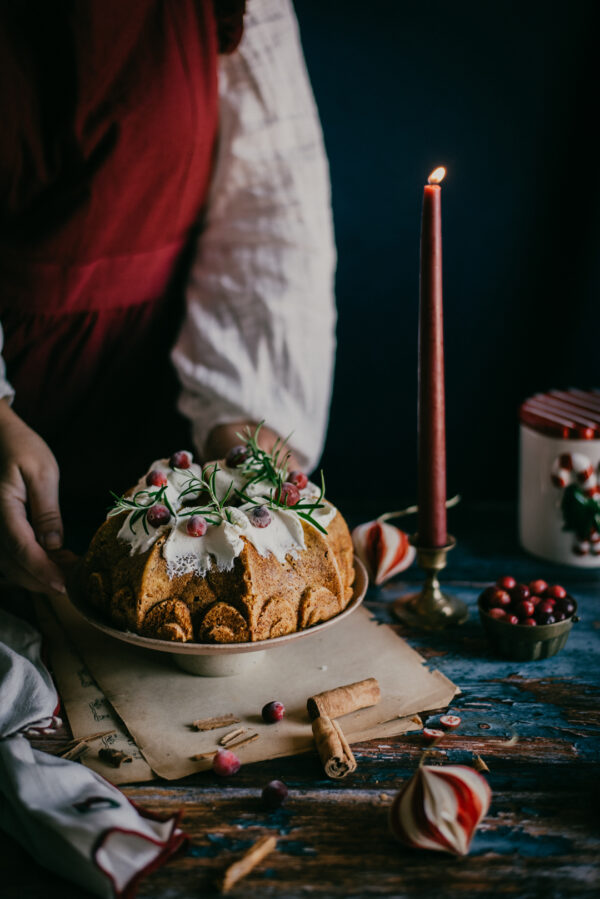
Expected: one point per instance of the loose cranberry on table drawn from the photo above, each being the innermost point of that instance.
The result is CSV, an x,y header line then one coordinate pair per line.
x,y
274,794
226,762
156,478
158,515
196,526
181,459
298,478
236,456
273,712
450,721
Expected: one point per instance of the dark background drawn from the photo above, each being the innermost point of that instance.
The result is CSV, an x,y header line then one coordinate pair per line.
x,y
505,95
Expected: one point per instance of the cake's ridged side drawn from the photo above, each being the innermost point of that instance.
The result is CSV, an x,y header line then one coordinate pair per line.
x,y
258,599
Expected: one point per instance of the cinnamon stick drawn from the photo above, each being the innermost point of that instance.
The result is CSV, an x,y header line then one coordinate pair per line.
x,y
214,723
247,862
345,699
114,757
333,747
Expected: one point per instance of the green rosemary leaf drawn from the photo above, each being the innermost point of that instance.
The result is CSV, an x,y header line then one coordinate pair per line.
x,y
312,521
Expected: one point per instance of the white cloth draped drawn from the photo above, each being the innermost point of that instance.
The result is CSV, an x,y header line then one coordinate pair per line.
x,y
69,818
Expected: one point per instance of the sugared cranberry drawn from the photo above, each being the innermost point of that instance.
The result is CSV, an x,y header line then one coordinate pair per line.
x,y
546,618
538,587
158,515
236,456
545,608
274,794
506,583
273,712
520,592
226,762
181,459
555,592
196,526
259,516
498,614
288,495
298,478
511,619
156,478
530,622
500,599
525,609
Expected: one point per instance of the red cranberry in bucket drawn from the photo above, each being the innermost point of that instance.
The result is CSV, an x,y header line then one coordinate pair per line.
x,y
498,614
506,583
538,588
499,600
520,592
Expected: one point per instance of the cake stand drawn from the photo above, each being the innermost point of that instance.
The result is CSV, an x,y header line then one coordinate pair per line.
x,y
220,659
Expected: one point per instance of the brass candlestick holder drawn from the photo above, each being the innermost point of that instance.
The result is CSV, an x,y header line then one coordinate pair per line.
x,y
430,608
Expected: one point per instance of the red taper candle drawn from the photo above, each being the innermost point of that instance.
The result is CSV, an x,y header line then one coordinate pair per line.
x,y
431,528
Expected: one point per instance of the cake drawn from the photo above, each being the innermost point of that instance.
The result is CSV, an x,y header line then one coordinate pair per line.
x,y
234,551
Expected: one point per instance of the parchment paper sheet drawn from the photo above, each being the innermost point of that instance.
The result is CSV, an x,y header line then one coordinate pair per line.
x,y
87,708
157,701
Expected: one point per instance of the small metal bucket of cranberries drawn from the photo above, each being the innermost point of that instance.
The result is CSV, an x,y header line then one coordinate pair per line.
x,y
527,621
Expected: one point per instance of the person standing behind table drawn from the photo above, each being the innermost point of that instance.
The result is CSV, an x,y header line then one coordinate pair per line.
x,y
133,178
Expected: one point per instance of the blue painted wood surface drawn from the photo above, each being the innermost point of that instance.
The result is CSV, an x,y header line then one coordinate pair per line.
x,y
536,725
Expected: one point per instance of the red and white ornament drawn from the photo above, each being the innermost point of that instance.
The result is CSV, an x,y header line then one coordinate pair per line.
x,y
440,808
383,548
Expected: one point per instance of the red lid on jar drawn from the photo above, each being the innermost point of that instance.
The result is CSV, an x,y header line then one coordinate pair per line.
x,y
571,414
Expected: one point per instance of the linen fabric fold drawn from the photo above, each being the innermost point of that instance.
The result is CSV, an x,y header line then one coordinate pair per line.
x,y
69,818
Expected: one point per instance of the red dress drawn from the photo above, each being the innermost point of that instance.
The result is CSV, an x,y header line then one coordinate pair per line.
x,y
110,122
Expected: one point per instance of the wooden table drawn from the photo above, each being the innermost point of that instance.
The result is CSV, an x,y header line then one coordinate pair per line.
x,y
541,836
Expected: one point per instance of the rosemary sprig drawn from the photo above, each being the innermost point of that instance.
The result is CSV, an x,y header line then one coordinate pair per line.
x,y
304,509
140,508
216,510
261,465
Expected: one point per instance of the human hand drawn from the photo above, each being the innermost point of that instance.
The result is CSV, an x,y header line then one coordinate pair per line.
x,y
224,437
30,520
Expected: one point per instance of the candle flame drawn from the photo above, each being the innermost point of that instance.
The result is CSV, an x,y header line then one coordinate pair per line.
x,y
437,175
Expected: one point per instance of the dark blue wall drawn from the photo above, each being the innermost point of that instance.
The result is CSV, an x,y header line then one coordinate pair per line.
x,y
505,96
